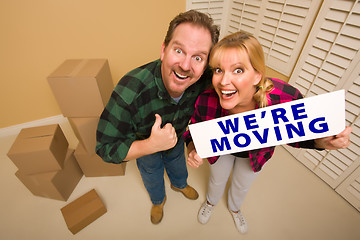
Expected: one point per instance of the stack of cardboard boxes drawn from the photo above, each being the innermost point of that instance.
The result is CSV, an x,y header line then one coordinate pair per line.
x,y
82,88
46,166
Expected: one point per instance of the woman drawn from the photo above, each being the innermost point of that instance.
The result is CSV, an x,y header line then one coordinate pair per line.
x,y
239,85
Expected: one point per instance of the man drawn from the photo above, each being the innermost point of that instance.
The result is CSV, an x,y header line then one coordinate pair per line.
x,y
151,106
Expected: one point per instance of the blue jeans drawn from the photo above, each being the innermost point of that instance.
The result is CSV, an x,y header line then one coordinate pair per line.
x,y
152,167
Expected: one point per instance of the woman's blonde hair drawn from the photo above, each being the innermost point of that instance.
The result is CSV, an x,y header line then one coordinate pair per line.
x,y
245,41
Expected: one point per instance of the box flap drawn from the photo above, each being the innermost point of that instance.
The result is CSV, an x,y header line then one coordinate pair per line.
x,y
66,68
41,131
91,68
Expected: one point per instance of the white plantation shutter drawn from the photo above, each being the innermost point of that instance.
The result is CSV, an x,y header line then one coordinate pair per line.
x,y
350,189
244,15
215,8
285,26
334,166
334,43
281,26
330,61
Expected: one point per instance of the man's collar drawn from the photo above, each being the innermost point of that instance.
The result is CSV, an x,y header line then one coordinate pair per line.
x,y
162,92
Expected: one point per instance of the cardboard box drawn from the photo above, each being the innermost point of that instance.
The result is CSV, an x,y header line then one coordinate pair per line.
x,y
85,131
39,149
55,185
82,87
93,166
83,211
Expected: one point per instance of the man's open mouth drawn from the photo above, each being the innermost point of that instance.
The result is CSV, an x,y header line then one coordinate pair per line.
x,y
180,76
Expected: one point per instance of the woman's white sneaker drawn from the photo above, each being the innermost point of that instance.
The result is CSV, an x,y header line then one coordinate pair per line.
x,y
240,221
205,212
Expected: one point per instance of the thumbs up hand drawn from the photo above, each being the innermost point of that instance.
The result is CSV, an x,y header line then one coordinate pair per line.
x,y
162,138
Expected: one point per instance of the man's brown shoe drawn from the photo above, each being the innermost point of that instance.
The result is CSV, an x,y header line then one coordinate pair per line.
x,y
188,192
157,212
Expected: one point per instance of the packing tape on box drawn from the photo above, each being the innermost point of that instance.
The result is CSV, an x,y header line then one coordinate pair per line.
x,y
77,69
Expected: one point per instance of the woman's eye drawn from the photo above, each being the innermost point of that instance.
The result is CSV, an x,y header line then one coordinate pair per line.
x,y
217,70
238,70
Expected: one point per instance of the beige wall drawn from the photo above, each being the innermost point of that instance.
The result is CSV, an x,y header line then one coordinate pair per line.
x,y
38,35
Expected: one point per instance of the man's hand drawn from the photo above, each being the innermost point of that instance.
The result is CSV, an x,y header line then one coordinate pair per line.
x,y
342,140
162,139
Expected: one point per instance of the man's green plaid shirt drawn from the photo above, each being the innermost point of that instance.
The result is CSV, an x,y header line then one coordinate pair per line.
x,y
130,112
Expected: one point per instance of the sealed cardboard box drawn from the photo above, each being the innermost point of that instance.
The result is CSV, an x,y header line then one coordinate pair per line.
x,y
55,185
85,131
83,211
82,87
39,149
93,166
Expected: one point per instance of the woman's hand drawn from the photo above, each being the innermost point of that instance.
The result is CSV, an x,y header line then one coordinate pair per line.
x,y
194,160
342,140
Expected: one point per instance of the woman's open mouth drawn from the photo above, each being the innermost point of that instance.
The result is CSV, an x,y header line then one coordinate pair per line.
x,y
228,93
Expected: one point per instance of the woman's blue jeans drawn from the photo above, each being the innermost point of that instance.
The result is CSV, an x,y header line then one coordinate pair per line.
x,y
152,167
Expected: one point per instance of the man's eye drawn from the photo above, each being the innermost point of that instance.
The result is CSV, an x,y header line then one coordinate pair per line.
x,y
178,50
199,59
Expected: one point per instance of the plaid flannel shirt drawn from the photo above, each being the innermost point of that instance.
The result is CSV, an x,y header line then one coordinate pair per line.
x,y
130,113
208,107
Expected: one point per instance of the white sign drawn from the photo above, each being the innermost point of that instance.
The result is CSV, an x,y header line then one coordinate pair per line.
x,y
295,121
